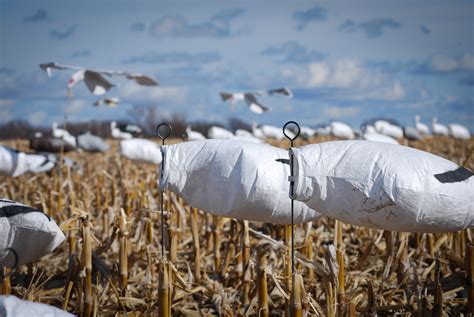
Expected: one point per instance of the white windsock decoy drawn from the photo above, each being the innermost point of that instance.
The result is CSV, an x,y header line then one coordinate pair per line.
x,y
245,135
388,129
109,102
421,127
30,232
232,178
378,137
384,186
194,135
323,130
117,133
411,134
307,132
341,130
94,79
63,135
438,128
141,150
458,131
12,306
219,133
92,143
14,163
257,132
272,132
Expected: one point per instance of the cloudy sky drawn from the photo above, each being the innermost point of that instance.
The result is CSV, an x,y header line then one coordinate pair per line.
x,y
343,61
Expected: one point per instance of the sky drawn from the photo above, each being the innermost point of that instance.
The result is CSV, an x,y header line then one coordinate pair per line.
x,y
344,60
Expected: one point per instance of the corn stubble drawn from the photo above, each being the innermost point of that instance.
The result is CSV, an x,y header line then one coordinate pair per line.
x,y
111,262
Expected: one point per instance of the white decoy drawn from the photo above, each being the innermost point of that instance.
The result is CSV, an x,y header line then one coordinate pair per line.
x,y
92,143
194,135
13,306
30,232
389,129
458,131
109,102
63,135
257,132
384,186
411,133
141,150
272,132
117,133
245,135
421,127
378,137
219,133
323,130
232,178
94,79
14,163
438,128
306,132
341,130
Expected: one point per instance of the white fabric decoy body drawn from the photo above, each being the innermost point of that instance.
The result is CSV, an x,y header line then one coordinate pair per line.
x,y
245,135
421,127
194,135
378,137
438,128
219,133
232,178
141,150
384,186
388,129
306,132
272,132
458,131
341,130
12,306
30,232
63,135
117,133
14,163
411,134
92,143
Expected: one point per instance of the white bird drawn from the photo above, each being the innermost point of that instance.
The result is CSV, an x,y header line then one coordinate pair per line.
x,y
438,128
307,132
94,79
194,135
421,127
251,99
245,135
384,186
341,130
92,143
141,150
282,91
15,163
30,232
323,130
459,131
272,132
378,137
257,132
117,133
386,128
109,102
219,133
13,306
411,133
63,135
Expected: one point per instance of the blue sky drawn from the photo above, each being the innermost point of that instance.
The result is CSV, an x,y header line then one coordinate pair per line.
x,y
343,60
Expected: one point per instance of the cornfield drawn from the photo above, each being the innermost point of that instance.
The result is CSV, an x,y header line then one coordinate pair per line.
x,y
112,263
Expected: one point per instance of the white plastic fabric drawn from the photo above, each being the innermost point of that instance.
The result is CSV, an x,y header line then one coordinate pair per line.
x,y
92,143
232,178
341,130
274,132
30,233
219,133
12,306
388,129
458,131
382,186
141,150
377,137
14,163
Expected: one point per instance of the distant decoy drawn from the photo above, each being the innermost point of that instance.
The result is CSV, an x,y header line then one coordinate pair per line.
x,y
421,127
92,143
63,135
141,150
341,130
109,102
272,132
438,128
219,133
15,163
15,307
51,145
94,79
412,134
245,135
30,232
307,132
389,129
194,135
458,131
384,186
124,131
369,133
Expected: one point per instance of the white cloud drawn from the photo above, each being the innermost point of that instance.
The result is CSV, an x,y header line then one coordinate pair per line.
x,y
393,92
76,105
6,102
335,112
444,63
38,117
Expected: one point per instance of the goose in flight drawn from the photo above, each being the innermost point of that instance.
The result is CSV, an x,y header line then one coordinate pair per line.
x,y
109,102
251,98
94,79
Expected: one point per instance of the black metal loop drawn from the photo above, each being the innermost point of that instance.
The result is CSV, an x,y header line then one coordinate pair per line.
x,y
297,133
167,133
15,265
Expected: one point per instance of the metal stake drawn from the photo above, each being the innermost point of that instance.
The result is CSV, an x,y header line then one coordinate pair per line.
x,y
292,185
163,135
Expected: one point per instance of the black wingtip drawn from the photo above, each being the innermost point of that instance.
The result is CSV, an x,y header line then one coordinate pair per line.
x,y
458,175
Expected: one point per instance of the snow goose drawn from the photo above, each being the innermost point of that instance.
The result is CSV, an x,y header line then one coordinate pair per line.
x,y
63,135
458,131
14,163
341,130
194,135
141,150
219,133
421,127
